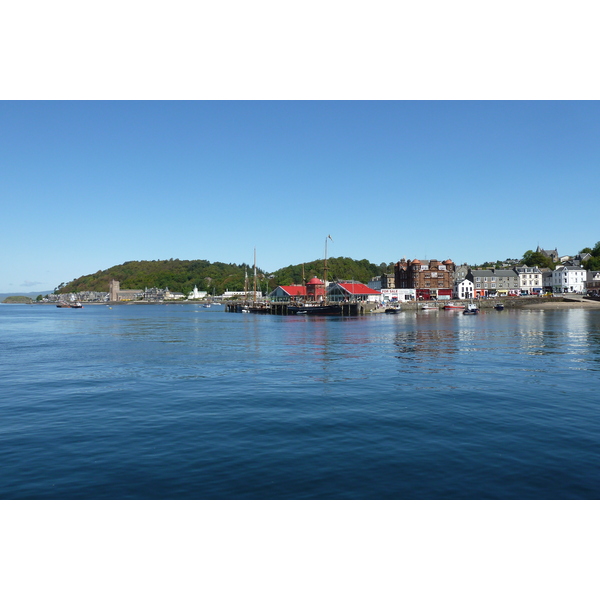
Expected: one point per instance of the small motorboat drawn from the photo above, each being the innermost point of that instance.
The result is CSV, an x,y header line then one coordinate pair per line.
x,y
428,307
499,306
392,310
452,306
472,309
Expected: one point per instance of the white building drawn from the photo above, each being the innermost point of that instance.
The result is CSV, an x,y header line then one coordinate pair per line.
x,y
397,294
249,294
464,289
530,280
173,295
568,279
196,295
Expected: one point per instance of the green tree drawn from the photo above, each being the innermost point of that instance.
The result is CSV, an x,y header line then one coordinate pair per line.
x,y
537,259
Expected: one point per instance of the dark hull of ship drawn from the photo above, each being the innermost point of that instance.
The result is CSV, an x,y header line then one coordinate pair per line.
x,y
329,309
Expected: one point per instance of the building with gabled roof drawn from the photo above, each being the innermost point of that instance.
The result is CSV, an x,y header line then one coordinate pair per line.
x,y
350,291
553,254
568,279
285,293
492,282
431,278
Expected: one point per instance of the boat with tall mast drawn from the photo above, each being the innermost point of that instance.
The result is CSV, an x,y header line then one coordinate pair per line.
x,y
255,307
324,308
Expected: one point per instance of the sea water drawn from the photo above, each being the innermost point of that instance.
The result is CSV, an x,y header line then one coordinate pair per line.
x,y
187,402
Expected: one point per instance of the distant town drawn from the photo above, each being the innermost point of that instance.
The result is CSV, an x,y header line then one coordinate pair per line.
x,y
411,280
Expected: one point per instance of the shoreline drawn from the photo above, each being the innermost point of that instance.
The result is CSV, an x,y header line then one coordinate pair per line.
x,y
550,305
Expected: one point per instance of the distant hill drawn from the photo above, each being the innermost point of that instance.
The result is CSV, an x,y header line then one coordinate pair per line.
x,y
33,295
183,275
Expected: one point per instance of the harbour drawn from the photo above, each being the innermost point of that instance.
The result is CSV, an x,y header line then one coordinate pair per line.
x,y
184,402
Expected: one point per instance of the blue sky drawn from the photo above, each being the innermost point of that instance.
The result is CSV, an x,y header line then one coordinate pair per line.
x,y
86,185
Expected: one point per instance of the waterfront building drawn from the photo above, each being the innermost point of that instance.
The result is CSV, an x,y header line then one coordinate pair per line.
x,y
196,295
431,279
315,290
494,282
530,280
350,291
568,279
285,293
592,284
173,295
397,294
464,289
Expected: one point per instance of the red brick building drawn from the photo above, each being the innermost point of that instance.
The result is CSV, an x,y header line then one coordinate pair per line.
x,y
431,279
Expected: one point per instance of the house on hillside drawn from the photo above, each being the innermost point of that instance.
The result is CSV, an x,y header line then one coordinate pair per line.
x,y
553,254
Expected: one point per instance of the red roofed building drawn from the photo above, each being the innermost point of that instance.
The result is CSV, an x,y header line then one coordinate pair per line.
x,y
288,292
352,292
315,289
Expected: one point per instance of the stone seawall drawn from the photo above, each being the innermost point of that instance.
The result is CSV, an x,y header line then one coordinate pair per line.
x,y
509,302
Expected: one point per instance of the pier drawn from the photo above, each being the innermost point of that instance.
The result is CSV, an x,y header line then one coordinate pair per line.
x,y
348,309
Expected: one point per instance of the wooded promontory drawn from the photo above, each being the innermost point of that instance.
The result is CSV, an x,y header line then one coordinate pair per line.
x,y
183,275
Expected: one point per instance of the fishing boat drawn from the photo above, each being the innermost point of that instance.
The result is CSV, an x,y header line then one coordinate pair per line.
x,y
499,306
472,309
69,305
392,310
452,306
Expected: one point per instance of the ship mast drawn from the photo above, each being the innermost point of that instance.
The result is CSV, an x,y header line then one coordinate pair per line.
x,y
325,267
254,287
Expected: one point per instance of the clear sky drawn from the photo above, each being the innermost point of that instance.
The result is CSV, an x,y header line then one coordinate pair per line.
x,y
87,185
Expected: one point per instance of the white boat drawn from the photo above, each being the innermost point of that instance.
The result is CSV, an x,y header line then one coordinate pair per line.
x,y
428,307
472,309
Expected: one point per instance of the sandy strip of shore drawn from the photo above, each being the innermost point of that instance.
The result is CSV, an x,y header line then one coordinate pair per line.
x,y
565,305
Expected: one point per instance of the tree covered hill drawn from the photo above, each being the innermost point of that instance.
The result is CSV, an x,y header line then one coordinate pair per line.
x,y
17,300
177,275
338,269
183,275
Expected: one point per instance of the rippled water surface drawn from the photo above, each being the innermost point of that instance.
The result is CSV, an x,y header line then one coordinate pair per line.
x,y
188,402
